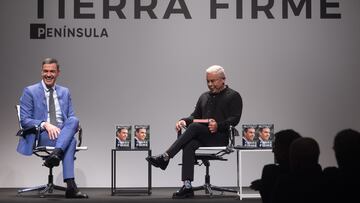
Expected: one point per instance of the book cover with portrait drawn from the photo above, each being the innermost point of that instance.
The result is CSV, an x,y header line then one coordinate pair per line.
x,y
142,136
249,138
123,136
265,135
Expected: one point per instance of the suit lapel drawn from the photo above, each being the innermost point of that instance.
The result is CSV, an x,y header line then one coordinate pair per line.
x,y
60,96
41,95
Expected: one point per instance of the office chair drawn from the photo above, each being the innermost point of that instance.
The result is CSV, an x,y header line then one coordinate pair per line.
x,y
43,152
202,158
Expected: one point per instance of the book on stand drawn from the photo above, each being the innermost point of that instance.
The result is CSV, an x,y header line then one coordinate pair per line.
x,y
265,135
123,136
249,138
142,136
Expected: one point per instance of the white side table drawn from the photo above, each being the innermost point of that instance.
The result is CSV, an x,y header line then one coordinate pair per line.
x,y
240,152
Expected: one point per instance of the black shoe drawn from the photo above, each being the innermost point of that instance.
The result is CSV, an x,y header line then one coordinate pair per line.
x,y
75,194
52,160
158,161
183,193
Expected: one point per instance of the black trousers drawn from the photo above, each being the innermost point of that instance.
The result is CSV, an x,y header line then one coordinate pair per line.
x,y
197,135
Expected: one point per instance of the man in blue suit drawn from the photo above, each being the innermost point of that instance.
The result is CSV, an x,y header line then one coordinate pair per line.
x,y
49,106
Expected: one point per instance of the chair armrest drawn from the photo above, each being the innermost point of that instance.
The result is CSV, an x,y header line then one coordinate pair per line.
x,y
81,148
50,148
31,130
45,148
79,136
212,148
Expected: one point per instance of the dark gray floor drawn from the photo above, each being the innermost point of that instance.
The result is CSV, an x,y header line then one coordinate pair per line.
x,y
102,195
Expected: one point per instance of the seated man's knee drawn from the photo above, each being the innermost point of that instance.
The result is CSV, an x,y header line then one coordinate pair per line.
x,y
73,121
195,126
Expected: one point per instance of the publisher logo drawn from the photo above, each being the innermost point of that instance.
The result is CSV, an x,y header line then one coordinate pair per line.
x,y
41,31
37,31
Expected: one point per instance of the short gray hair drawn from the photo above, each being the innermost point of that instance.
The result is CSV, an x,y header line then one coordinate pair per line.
x,y
216,69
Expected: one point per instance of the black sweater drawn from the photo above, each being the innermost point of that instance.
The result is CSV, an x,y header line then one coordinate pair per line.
x,y
225,107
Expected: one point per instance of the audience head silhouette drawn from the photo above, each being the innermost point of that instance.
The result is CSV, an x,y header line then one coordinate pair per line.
x,y
282,142
304,154
347,149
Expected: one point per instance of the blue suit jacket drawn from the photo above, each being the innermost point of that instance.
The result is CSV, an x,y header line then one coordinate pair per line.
x,y
33,111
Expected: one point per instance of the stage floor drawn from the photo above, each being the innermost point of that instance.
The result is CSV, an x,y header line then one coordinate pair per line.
x,y
102,195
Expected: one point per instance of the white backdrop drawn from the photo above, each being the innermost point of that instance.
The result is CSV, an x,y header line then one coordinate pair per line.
x,y
299,73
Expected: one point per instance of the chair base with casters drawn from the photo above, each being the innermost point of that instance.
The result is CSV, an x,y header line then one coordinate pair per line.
x,y
50,187
43,189
217,155
205,159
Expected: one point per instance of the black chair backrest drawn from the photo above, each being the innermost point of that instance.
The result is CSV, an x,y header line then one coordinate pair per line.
x,y
17,107
32,130
233,133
